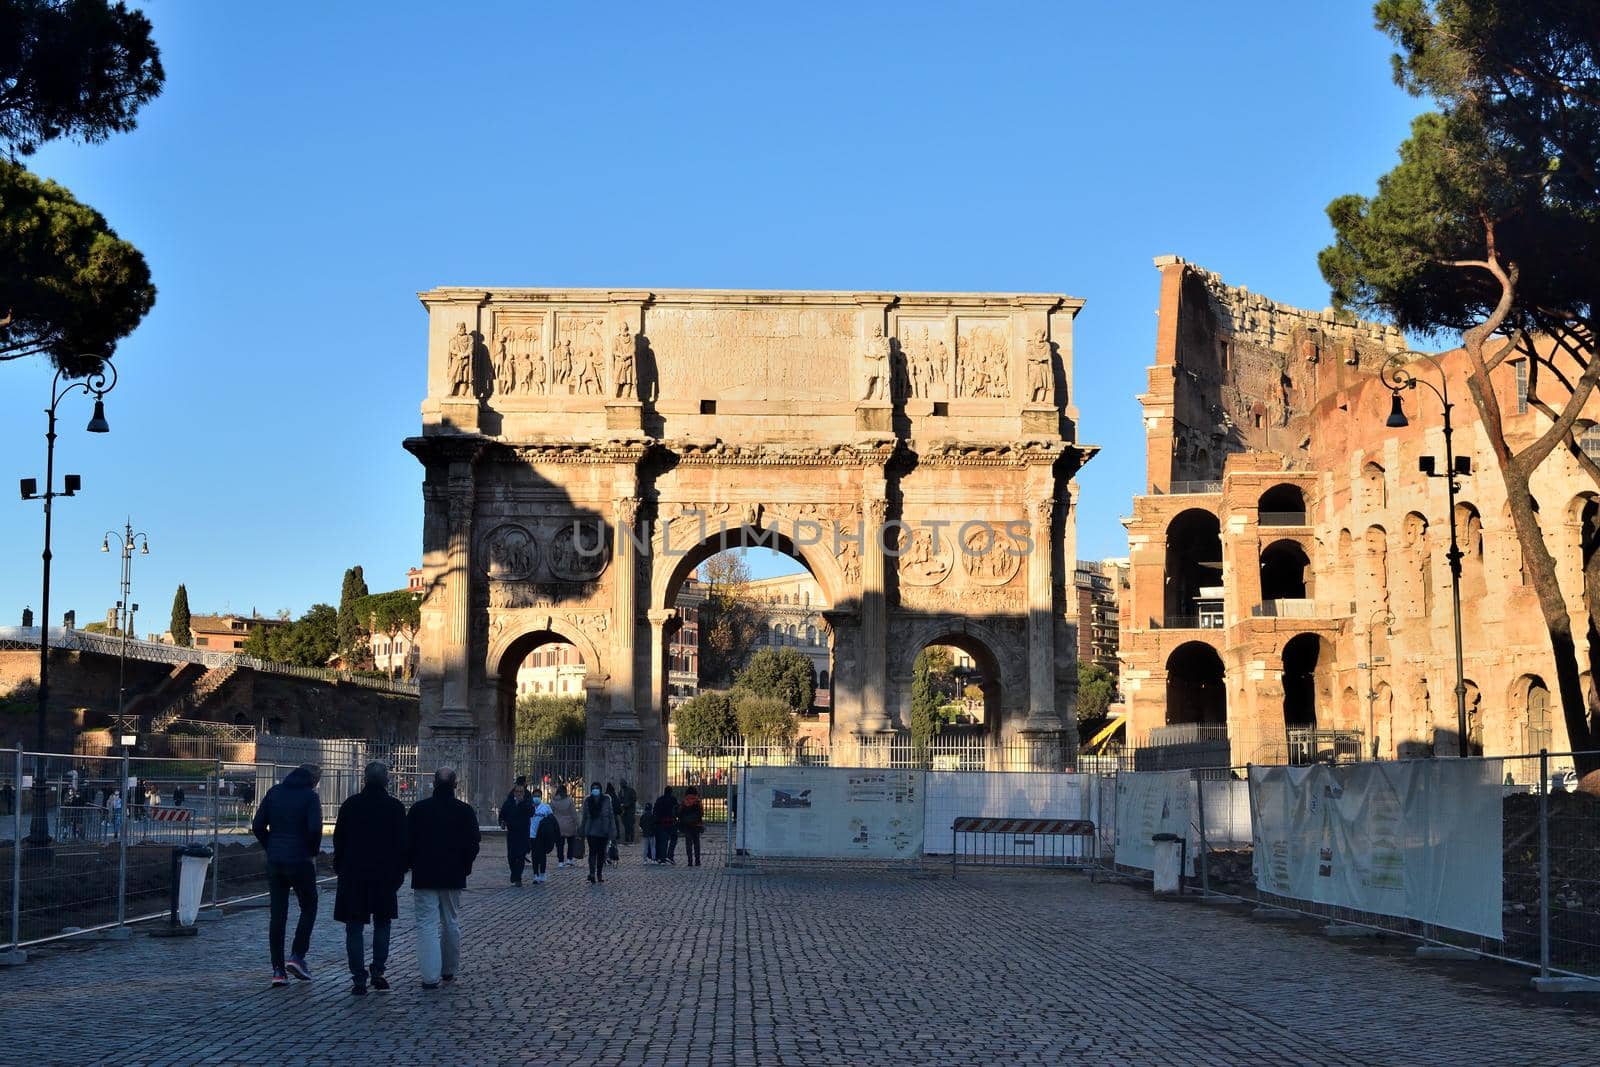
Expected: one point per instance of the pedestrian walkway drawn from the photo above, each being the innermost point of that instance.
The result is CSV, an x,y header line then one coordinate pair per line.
x,y
788,966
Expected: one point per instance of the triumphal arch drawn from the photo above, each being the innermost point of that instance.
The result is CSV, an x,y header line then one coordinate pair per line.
x,y
585,450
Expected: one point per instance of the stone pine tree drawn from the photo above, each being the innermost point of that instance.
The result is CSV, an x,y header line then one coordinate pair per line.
x,y
70,289
180,618
352,627
1489,227
782,674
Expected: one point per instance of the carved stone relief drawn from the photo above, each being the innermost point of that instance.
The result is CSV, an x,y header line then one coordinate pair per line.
x,y
990,555
1039,376
983,360
922,561
509,553
926,374
460,353
580,355
875,366
578,551
517,355
623,348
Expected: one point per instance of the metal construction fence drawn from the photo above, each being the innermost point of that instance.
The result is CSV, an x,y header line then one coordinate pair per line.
x,y
1505,863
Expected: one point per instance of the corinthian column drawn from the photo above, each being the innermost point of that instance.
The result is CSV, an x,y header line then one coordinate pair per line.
x,y
458,577
1042,711
874,615
624,575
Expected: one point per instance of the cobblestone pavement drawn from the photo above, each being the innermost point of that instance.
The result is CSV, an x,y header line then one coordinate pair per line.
x,y
788,966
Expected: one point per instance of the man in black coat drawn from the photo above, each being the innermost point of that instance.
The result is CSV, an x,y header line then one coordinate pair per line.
x,y
442,839
289,826
630,811
369,856
516,818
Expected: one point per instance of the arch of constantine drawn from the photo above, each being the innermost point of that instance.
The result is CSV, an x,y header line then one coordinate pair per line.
x,y
585,450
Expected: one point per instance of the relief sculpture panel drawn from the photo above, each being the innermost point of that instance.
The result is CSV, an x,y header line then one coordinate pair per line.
x,y
754,353
517,355
925,363
580,356
983,359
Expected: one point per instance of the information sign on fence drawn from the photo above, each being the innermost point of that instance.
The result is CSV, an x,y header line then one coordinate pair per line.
x,y
838,812
1419,839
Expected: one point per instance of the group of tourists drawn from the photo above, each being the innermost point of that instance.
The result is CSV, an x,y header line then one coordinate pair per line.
x,y
375,842
536,827
667,821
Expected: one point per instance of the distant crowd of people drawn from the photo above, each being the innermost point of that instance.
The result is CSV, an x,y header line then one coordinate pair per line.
x,y
377,842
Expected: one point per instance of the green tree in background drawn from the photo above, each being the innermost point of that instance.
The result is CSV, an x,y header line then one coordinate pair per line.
x,y
704,723
1490,227
179,626
352,626
70,289
781,674
544,719
394,614
729,621
766,720
1095,686
310,641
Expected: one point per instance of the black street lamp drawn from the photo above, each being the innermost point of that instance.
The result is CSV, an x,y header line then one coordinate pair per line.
x,y
1398,378
125,607
98,384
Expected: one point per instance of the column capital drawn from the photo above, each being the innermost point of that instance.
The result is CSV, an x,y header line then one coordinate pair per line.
x,y
661,616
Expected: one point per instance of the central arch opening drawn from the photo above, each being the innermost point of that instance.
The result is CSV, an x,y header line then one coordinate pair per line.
x,y
758,614
1194,568
1284,570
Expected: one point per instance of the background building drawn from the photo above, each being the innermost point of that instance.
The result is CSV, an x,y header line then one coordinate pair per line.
x,y
1095,585
791,608
1289,591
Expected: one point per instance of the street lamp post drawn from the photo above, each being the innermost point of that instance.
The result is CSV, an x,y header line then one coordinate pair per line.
x,y
97,384
1398,378
1372,690
127,609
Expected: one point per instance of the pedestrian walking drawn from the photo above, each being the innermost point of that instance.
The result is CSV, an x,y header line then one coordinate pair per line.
x,y
115,804
647,830
666,812
692,823
178,797
8,798
544,835
516,818
442,840
289,826
599,828
369,856
630,811
565,810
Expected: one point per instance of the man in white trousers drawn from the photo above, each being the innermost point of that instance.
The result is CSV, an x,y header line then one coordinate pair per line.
x,y
442,837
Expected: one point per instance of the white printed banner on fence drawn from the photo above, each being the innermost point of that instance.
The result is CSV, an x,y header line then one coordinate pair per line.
x,y
999,795
831,812
1418,839
1150,803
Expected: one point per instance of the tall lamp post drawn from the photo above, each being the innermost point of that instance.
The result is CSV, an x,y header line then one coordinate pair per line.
x,y
127,609
98,385
1398,378
1387,618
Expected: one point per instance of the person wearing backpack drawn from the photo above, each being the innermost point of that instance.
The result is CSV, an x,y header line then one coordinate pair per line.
x,y
545,834
692,822
566,813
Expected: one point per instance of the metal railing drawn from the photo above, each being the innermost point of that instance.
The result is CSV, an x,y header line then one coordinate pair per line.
x,y
1207,621
1192,488
1185,734
156,652
1310,745
1282,518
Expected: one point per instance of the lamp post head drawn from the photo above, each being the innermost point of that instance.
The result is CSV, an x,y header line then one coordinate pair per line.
x,y
97,422
145,551
105,545
1397,414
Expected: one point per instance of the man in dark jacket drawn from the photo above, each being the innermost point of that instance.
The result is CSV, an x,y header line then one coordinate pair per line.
x,y
289,826
630,811
442,837
369,856
666,818
516,818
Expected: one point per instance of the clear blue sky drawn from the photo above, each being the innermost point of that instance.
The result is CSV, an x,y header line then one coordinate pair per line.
x,y
311,166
